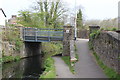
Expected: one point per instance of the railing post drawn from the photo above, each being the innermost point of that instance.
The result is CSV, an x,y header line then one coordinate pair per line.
x,y
49,34
36,34
24,34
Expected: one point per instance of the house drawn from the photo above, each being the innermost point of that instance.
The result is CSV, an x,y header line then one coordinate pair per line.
x,y
13,21
2,17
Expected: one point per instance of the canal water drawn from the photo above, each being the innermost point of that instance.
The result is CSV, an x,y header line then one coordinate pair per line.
x,y
23,69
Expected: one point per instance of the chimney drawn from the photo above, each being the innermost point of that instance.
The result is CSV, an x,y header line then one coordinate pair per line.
x,y
14,16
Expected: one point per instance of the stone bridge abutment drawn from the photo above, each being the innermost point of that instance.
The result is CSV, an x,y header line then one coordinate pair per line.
x,y
31,49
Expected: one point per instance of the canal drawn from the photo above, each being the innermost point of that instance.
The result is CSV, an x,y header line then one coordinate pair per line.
x,y
23,69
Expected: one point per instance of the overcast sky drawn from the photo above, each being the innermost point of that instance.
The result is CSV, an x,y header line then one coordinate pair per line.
x,y
92,9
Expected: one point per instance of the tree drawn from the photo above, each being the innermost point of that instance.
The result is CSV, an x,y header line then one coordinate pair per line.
x,y
49,14
79,20
29,19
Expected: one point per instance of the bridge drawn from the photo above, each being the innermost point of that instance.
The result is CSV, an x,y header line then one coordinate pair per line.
x,y
42,35
33,38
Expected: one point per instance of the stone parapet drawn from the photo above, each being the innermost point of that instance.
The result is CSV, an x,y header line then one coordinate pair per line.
x,y
107,47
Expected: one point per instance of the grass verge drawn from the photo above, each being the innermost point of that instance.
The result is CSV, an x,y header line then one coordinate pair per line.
x,y
75,49
66,59
108,71
49,69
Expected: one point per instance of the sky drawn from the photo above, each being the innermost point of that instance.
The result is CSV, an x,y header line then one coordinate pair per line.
x,y
92,9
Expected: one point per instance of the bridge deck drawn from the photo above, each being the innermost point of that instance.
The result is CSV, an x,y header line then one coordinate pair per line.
x,y
42,35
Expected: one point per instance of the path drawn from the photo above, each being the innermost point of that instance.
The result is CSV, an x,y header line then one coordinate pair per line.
x,y
62,70
86,67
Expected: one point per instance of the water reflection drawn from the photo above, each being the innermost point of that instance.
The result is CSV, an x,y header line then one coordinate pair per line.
x,y
26,68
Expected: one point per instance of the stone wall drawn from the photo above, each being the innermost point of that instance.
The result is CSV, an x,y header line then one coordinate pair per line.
x,y
31,49
107,47
8,41
26,49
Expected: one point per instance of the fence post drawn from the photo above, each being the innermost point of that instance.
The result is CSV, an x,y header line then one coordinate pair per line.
x,y
49,35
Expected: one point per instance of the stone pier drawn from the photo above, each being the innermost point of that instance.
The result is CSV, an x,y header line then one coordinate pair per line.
x,y
31,49
68,35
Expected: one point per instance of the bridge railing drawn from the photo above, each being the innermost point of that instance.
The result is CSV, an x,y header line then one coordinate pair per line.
x,y
35,34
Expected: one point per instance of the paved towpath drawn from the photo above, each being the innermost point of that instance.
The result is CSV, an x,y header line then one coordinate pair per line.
x,y
62,70
86,67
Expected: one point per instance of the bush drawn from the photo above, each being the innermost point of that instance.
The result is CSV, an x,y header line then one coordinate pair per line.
x,y
95,34
49,69
51,49
109,29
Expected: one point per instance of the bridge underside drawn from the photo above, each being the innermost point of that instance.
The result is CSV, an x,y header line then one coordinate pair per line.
x,y
32,48
42,38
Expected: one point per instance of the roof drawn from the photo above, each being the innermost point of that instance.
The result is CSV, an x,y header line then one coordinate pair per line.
x,y
3,12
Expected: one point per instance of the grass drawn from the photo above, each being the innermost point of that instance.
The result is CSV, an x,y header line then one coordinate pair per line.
x,y
49,69
75,49
6,59
76,56
108,71
48,50
66,59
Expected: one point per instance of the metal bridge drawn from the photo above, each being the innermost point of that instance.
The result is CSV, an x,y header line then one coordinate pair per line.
x,y
42,35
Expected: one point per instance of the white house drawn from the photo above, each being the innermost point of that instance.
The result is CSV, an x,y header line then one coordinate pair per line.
x,y
2,17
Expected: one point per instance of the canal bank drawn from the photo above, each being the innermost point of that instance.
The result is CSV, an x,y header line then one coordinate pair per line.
x,y
20,69
25,68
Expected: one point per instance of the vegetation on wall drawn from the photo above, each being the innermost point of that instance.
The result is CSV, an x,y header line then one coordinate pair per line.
x,y
6,59
11,35
109,29
94,34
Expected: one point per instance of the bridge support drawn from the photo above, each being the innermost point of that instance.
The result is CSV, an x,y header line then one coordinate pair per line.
x,y
32,49
68,35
